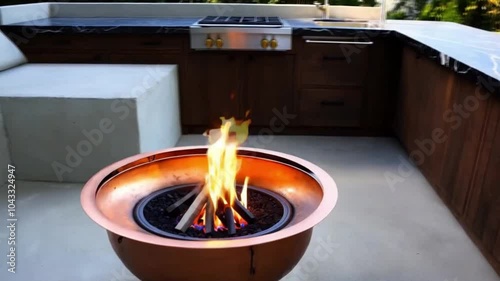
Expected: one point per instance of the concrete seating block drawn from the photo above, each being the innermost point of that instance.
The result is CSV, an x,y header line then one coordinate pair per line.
x,y
66,121
10,55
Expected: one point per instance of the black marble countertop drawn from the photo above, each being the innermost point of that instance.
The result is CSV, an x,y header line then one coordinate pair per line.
x,y
465,50
104,25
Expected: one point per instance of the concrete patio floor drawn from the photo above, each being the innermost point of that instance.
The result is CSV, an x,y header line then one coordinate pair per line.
x,y
377,232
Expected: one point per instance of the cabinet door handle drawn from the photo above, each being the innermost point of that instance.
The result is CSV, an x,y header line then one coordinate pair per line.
x,y
332,103
327,58
340,42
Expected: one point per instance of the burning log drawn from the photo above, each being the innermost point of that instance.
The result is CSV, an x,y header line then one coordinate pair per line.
x,y
188,196
193,211
209,217
229,216
243,212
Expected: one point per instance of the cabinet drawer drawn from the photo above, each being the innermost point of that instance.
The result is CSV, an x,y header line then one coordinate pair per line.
x,y
334,64
331,107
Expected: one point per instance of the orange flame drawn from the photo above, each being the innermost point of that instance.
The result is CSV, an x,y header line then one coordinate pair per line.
x,y
223,166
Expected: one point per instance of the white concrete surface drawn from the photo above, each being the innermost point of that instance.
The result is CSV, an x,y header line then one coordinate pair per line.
x,y
10,55
4,151
375,233
25,12
65,121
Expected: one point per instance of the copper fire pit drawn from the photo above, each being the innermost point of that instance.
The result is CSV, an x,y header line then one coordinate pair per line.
x,y
110,196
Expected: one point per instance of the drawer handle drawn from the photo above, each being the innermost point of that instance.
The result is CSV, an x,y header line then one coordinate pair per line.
x,y
330,58
340,42
332,103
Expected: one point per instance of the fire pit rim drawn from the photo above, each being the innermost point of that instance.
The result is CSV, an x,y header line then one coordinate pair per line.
x,y
325,181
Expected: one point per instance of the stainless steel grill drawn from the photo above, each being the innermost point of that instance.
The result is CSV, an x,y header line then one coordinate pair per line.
x,y
241,33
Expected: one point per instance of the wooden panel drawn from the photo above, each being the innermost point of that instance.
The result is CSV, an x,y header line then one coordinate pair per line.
x,y
213,88
65,57
162,43
143,58
269,88
496,249
114,42
330,107
466,118
426,91
483,210
381,87
333,64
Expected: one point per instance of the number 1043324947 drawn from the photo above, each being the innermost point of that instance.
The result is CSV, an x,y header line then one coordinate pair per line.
x,y
11,187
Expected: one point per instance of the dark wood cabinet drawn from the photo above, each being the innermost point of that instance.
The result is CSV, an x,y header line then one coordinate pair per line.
x,y
339,107
344,85
450,127
483,209
230,83
496,250
269,89
425,94
325,64
313,89
462,144
213,89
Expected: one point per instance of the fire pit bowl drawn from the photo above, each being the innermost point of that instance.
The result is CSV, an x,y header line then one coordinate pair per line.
x,y
110,196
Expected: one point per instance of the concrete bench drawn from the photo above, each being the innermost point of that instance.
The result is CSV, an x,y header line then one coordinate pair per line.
x,y
64,122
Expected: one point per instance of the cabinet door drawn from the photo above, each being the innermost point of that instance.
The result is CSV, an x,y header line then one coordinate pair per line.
x,y
212,89
269,90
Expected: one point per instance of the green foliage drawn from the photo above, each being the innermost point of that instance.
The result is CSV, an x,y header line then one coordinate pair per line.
x,y
368,3
441,10
483,14
397,15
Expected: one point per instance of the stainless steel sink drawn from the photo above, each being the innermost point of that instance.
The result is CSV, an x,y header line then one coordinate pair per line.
x,y
342,23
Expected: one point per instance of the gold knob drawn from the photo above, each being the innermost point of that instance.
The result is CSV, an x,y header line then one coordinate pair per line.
x,y
209,42
264,43
219,43
274,43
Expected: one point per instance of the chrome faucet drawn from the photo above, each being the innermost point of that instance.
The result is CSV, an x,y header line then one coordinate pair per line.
x,y
325,8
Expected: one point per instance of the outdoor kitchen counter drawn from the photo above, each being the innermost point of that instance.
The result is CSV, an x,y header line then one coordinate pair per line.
x,y
465,50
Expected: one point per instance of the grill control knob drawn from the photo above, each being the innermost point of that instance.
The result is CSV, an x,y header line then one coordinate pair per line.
x,y
264,43
274,44
219,43
209,42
